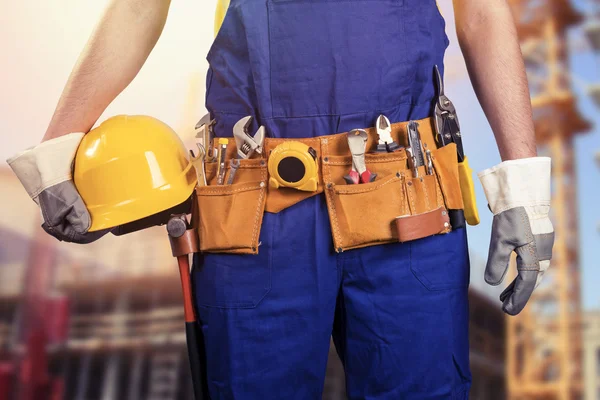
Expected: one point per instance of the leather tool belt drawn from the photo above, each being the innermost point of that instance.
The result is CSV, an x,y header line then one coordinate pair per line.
x,y
395,207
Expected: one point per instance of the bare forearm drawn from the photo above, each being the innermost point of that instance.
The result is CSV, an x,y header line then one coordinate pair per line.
x,y
114,54
488,39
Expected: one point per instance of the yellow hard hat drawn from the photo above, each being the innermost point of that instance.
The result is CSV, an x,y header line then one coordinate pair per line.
x,y
131,167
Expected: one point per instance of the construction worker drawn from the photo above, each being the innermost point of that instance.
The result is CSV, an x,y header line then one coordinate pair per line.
x,y
398,312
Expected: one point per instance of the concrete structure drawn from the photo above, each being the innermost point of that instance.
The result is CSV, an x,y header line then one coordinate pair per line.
x,y
487,340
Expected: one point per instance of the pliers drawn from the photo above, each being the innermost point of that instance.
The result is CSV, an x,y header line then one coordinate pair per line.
x,y
357,141
445,119
384,131
448,131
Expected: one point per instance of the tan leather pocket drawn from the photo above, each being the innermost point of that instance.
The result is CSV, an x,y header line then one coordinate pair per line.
x,y
364,214
230,216
445,163
424,193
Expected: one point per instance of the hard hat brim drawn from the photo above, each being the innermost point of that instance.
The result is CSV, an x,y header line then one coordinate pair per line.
x,y
164,197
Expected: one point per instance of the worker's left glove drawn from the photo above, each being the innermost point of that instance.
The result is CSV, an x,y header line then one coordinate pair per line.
x,y
46,173
518,194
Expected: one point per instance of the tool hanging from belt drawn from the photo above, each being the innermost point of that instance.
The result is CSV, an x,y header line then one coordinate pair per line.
x,y
448,131
184,241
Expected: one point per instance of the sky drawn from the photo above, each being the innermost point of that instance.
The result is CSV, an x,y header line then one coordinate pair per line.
x,y
41,41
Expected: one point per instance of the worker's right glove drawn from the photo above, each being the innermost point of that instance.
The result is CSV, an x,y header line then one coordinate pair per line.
x,y
46,173
518,194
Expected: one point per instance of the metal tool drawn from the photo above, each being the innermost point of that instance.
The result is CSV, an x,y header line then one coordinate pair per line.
x,y
178,228
448,131
235,164
221,152
357,141
429,162
445,119
204,136
384,131
414,142
412,162
248,145
198,163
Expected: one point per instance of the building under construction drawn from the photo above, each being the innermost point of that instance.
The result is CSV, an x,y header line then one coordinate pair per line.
x,y
544,358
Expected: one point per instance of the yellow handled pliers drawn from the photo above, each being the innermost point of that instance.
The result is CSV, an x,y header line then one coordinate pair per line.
x,y
447,130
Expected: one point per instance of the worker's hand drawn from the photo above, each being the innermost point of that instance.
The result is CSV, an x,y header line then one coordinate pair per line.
x,y
518,194
46,173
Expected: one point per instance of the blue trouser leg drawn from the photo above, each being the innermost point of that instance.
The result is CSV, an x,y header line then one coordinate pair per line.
x,y
403,318
400,321
267,318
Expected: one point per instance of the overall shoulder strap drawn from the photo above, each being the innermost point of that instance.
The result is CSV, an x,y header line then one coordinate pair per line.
x,y
222,6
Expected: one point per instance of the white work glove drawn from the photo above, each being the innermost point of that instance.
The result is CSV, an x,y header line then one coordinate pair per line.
x,y
46,173
518,194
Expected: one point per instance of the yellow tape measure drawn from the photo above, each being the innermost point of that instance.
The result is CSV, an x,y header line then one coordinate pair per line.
x,y
294,164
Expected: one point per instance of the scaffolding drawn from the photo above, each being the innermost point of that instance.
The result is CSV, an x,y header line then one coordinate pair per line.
x,y
544,345
125,340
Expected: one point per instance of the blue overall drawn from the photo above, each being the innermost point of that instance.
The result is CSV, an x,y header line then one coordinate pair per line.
x,y
398,313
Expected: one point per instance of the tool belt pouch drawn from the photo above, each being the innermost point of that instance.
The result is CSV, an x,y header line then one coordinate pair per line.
x,y
396,206
445,164
230,216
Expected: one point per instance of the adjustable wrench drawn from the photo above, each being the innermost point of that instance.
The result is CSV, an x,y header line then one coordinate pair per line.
x,y
204,136
198,163
246,145
384,131
357,141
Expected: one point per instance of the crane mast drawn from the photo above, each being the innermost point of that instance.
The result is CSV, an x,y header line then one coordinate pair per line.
x,y
544,344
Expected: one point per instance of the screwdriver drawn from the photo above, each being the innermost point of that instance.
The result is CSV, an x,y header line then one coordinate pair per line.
x,y
221,152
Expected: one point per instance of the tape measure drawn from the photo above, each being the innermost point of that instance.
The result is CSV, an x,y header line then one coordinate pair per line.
x,y
294,164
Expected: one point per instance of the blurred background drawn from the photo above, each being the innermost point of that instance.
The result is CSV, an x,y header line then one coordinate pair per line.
x,y
104,321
